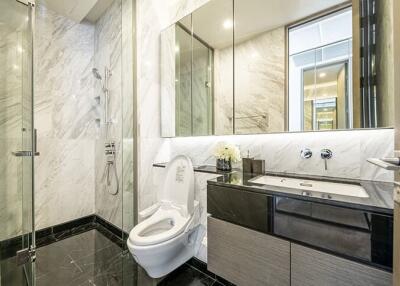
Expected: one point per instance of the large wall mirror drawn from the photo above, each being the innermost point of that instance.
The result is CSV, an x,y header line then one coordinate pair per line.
x,y
265,66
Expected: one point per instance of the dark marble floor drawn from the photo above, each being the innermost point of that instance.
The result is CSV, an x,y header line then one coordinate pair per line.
x,y
93,259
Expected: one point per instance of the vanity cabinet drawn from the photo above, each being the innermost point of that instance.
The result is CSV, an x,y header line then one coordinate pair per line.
x,y
247,257
314,268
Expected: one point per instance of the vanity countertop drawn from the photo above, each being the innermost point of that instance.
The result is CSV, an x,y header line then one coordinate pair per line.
x,y
209,169
380,193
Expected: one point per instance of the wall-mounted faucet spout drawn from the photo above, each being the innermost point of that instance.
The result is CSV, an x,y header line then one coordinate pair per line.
x,y
326,154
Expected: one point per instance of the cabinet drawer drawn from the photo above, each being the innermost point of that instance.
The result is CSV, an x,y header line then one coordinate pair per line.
x,y
247,257
313,268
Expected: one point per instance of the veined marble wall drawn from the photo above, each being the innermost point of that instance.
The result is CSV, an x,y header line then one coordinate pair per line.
x,y
65,113
113,48
64,117
281,151
108,48
128,117
11,92
259,85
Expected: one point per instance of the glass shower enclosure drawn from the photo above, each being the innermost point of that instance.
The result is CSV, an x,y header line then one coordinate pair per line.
x,y
17,142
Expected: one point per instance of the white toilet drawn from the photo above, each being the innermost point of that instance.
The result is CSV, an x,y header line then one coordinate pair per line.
x,y
166,238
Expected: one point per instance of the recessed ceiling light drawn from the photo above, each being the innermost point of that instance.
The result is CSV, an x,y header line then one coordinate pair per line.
x,y
254,55
322,75
228,24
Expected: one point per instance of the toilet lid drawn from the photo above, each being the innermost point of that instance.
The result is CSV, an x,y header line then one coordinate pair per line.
x,y
178,187
161,226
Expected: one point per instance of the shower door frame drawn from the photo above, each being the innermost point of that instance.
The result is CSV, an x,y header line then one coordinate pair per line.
x,y
27,255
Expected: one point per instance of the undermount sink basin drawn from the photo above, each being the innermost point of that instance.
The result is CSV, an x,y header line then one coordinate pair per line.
x,y
309,186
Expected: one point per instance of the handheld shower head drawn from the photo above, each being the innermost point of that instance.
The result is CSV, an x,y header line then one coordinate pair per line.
x,y
96,73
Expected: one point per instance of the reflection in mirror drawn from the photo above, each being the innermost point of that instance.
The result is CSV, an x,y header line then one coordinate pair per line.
x,y
212,76
320,63
176,68
259,66
276,61
213,28
183,70
323,65
197,73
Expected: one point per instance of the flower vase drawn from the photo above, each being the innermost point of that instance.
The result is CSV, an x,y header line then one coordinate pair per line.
x,y
224,165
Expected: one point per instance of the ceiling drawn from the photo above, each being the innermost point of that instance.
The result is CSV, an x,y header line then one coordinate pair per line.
x,y
323,75
252,17
78,10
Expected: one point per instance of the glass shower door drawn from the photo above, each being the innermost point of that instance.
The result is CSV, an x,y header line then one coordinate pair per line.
x,y
17,143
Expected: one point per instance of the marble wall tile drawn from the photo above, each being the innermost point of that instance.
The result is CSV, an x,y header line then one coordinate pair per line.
x,y
64,106
282,151
15,105
129,141
168,83
64,181
223,91
111,45
260,83
70,171
65,110
64,114
10,190
376,144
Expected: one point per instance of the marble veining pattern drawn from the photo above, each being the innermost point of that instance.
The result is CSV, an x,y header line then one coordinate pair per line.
x,y
11,121
108,53
64,117
260,83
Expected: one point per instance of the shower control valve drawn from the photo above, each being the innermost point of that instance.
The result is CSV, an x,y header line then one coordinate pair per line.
x,y
109,148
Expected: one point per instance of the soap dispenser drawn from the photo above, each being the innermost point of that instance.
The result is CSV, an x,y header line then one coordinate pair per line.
x,y
247,164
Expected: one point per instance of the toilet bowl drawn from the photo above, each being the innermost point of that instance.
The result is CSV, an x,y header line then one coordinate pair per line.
x,y
166,238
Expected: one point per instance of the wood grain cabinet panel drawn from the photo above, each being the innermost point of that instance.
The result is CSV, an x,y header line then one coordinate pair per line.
x,y
313,268
247,257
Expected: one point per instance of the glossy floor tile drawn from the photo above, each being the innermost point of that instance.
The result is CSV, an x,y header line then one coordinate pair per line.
x,y
85,259
95,258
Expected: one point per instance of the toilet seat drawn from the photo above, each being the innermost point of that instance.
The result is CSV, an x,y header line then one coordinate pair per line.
x,y
167,236
163,225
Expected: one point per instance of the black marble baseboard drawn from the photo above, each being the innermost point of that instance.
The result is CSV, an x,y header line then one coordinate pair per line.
x,y
46,236
202,267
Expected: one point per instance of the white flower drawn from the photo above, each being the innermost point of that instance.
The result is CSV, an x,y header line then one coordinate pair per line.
x,y
227,152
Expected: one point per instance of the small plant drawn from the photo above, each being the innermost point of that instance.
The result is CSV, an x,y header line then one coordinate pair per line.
x,y
227,152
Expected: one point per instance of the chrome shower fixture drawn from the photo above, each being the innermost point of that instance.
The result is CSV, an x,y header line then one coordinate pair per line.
x,y
107,75
110,152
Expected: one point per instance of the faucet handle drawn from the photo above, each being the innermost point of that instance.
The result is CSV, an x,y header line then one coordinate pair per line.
x,y
306,153
326,154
